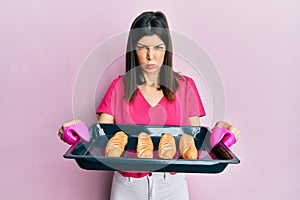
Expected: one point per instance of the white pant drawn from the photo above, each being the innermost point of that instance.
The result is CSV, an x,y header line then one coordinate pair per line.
x,y
158,186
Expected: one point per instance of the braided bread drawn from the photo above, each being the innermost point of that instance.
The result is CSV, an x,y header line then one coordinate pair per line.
x,y
167,146
187,147
116,145
144,147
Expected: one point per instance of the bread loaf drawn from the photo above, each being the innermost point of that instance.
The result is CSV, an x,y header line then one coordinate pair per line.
x,y
167,146
187,147
144,147
116,145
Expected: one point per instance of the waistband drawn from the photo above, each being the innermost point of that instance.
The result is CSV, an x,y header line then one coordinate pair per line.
x,y
138,174
134,174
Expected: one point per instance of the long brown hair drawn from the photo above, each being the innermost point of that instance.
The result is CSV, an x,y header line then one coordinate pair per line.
x,y
149,23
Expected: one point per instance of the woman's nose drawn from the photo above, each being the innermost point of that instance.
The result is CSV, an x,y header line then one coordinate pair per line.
x,y
150,53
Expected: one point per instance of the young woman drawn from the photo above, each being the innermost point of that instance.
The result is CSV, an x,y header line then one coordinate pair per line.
x,y
151,93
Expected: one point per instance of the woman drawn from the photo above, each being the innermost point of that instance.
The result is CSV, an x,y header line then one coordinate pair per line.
x,y
150,77
151,93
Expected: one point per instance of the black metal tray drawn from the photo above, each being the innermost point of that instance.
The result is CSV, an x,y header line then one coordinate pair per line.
x,y
90,155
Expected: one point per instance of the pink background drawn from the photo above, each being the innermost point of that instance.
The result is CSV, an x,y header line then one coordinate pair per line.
x,y
254,44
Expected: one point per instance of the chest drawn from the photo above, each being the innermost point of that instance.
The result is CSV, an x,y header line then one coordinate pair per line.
x,y
151,95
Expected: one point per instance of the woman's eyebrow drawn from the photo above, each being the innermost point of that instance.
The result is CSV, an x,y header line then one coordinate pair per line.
x,y
147,46
160,44
141,44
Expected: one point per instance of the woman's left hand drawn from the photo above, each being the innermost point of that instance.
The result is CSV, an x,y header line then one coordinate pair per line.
x,y
233,129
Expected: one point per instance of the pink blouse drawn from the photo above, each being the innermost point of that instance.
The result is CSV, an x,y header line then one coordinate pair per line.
x,y
187,104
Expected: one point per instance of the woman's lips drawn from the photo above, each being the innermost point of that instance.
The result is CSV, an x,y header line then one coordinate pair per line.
x,y
150,65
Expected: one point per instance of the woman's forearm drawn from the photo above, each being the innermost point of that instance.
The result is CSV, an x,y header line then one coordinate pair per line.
x,y
106,119
194,121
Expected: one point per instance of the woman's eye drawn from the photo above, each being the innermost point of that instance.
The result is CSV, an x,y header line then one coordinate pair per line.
x,y
141,47
159,47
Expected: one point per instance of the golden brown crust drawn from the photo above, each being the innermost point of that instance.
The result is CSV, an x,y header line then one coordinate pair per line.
x,y
144,147
167,146
187,147
115,146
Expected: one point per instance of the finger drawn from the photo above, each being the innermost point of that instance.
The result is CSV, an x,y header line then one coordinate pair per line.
x,y
233,129
59,135
219,124
238,135
71,122
60,132
223,124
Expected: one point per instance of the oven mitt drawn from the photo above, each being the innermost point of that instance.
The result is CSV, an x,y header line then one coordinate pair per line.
x,y
219,134
74,130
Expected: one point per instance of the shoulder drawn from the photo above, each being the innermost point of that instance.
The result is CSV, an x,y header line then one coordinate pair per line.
x,y
116,86
186,84
118,79
117,82
184,80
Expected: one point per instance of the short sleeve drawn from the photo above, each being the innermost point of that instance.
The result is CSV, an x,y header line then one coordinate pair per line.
x,y
195,106
107,104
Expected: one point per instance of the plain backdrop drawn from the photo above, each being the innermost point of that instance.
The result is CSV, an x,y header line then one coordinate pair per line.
x,y
254,45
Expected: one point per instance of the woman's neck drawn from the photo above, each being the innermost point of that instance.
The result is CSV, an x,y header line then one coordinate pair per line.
x,y
150,79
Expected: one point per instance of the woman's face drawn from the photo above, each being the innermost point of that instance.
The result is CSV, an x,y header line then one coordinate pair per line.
x,y
150,52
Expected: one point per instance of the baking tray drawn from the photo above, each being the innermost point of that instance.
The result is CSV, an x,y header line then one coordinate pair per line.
x,y
90,155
